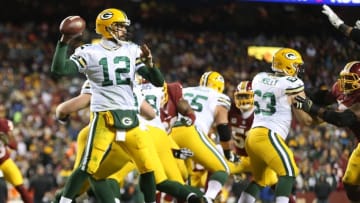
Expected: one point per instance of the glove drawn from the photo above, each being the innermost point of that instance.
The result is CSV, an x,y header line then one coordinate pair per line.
x,y
230,156
306,105
303,103
186,120
182,153
357,25
333,18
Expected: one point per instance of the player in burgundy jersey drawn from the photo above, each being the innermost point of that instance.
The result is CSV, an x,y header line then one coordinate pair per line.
x,y
347,93
174,103
241,115
10,170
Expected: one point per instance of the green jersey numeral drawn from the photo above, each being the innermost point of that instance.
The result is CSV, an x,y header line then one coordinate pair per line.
x,y
119,79
269,99
196,101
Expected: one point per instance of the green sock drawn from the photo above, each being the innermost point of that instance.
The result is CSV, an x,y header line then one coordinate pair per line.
x,y
174,189
74,183
102,190
253,189
284,186
114,187
220,176
147,186
195,190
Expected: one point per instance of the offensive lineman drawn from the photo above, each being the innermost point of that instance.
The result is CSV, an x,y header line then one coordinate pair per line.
x,y
274,94
211,108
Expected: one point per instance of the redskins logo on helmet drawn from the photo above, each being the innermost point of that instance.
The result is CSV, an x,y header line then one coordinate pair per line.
x,y
349,80
287,61
213,80
244,96
108,20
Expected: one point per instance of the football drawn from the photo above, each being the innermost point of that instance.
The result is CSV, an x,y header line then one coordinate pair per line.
x,y
72,25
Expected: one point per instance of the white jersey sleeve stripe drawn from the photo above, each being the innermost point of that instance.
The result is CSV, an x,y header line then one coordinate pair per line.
x,y
294,90
224,102
80,62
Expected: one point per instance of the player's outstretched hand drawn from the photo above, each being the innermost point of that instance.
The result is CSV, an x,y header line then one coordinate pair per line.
x,y
333,18
304,104
146,56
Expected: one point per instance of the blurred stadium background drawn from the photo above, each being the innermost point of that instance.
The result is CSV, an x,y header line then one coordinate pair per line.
x,y
186,38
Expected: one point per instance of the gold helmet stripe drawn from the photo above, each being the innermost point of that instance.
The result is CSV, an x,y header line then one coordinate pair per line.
x,y
243,85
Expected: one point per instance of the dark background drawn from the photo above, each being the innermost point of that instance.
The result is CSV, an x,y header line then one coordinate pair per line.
x,y
245,17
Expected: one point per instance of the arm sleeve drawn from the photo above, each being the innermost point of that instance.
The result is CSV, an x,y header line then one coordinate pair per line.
x,y
355,35
346,118
224,132
153,75
60,64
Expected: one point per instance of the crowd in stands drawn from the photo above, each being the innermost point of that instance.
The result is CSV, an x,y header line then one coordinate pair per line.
x,y
30,93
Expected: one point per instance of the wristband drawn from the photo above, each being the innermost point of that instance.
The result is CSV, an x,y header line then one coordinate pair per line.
x,y
63,120
344,29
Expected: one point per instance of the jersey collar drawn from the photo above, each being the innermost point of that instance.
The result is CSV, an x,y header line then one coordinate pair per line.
x,y
109,45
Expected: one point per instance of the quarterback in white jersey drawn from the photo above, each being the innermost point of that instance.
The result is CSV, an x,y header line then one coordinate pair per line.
x,y
274,95
110,67
111,72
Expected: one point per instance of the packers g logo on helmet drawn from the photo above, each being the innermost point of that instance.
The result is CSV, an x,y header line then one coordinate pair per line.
x,y
287,61
213,80
290,56
107,18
